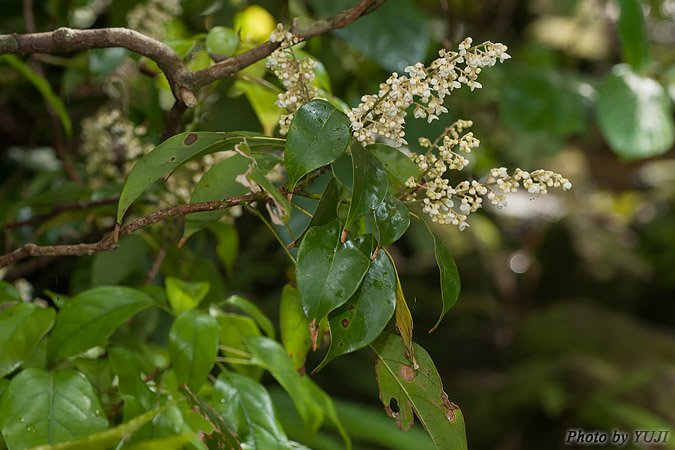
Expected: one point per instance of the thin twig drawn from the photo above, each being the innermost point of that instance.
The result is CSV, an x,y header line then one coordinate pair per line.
x,y
156,265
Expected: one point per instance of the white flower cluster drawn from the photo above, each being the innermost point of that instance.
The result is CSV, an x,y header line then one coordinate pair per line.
x,y
151,17
384,114
296,74
446,204
110,142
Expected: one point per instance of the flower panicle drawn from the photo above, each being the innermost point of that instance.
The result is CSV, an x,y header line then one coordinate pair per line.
x,y
383,114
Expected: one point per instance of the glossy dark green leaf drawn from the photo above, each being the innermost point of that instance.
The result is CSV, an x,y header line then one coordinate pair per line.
x,y
222,437
91,316
398,165
271,356
318,135
21,327
635,114
247,406
105,439
370,184
392,220
217,183
418,389
359,321
252,310
558,108
41,407
634,41
233,329
395,36
328,272
450,283
326,210
185,295
8,292
193,346
294,327
174,152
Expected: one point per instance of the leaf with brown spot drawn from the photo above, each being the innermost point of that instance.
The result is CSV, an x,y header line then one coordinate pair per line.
x,y
419,390
191,139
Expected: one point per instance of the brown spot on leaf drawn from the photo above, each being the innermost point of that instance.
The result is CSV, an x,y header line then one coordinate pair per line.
x,y
191,139
345,323
172,159
351,307
407,373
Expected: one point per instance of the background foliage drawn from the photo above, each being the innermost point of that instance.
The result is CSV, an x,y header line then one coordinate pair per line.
x,y
565,318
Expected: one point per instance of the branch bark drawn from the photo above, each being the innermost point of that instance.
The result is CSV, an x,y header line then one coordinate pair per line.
x,y
185,83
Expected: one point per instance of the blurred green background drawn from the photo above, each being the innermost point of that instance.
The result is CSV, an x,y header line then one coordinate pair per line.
x,y
566,318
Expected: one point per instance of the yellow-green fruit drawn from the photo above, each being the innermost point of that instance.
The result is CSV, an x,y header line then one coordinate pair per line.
x,y
254,23
222,41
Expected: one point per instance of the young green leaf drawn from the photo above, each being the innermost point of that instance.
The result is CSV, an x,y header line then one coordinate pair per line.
x,y
271,356
370,184
252,310
91,316
318,135
359,321
262,100
418,389
634,41
41,407
21,327
247,406
635,114
392,220
193,346
294,328
8,292
233,329
397,164
185,295
228,244
450,283
328,272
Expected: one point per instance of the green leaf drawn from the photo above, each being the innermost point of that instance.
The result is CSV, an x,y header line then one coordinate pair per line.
x,y
394,36
370,184
271,356
21,327
126,366
219,182
103,61
221,437
185,295
392,220
404,321
325,402
359,321
398,165
45,89
222,41
91,316
110,268
326,210
175,442
328,272
228,244
262,101
280,213
450,283
41,407
193,346
248,407
635,114
634,41
8,292
420,390
252,310
174,152
233,329
294,327
318,135
107,438
558,108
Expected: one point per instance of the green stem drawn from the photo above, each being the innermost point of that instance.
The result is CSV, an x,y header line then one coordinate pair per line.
x,y
259,215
